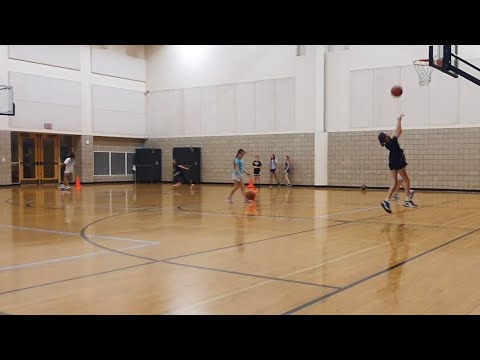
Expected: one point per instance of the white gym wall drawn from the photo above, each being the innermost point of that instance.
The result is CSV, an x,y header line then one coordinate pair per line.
x,y
226,90
236,90
369,71
59,84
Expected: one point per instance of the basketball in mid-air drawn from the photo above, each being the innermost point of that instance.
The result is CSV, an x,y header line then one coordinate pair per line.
x,y
363,187
396,91
250,195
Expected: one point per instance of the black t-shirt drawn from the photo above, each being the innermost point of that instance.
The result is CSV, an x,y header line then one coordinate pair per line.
x,y
396,152
176,169
256,171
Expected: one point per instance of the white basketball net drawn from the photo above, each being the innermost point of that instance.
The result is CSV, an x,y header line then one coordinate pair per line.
x,y
424,71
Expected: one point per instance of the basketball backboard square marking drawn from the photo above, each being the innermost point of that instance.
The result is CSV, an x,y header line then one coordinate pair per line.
x,y
7,107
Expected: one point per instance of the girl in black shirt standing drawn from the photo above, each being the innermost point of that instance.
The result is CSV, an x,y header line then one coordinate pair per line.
x,y
397,164
257,165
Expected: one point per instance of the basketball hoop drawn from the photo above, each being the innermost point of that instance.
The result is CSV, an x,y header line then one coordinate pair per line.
x,y
424,71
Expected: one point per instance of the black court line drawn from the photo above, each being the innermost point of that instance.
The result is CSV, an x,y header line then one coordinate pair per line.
x,y
406,224
195,212
252,242
86,238
74,278
358,282
152,261
251,275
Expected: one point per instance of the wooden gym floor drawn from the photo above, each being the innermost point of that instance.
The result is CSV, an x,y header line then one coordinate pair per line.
x,y
154,249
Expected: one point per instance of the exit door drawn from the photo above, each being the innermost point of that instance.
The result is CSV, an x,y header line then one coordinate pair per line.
x,y
39,157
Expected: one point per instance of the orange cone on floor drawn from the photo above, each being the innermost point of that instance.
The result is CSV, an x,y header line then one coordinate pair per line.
x,y
250,184
77,183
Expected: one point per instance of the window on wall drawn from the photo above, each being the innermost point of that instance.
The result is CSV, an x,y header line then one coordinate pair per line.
x,y
107,163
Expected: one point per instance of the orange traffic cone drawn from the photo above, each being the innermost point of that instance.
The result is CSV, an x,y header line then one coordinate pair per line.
x,y
77,183
250,184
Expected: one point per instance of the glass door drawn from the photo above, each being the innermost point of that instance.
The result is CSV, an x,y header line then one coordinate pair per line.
x,y
39,157
49,157
28,157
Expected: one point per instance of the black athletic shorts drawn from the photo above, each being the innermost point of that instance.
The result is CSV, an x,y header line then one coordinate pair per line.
x,y
256,172
273,171
397,165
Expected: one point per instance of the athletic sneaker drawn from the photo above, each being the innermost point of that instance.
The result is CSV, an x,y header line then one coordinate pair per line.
x,y
229,199
61,186
386,206
67,187
409,203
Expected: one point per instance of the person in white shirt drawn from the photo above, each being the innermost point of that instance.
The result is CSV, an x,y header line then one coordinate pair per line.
x,y
273,169
68,164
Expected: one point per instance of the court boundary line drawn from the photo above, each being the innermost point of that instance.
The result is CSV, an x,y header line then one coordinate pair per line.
x,y
251,242
32,264
75,278
153,261
75,234
84,235
232,293
250,275
378,273
414,225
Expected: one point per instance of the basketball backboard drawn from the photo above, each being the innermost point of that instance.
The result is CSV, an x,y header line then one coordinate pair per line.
x,y
7,107
446,59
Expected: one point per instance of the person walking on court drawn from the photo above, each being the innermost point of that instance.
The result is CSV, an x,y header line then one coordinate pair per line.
x,y
273,169
397,164
178,174
68,164
286,171
237,176
257,166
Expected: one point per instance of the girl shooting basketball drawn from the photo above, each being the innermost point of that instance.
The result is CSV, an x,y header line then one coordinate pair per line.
x,y
237,176
397,164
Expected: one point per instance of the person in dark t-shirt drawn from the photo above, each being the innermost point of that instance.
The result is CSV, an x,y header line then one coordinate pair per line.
x,y
397,164
257,166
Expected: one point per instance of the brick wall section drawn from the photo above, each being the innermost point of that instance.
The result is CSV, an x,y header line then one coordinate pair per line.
x,y
5,153
114,145
218,153
437,158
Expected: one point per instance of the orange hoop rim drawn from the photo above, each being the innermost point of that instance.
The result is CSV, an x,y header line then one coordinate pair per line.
x,y
421,62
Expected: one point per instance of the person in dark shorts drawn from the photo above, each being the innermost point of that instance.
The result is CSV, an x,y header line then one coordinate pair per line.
x,y
286,171
178,176
257,166
273,169
397,164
